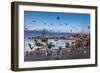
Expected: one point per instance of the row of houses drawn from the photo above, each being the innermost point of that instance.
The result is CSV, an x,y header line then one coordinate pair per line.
x,y
34,43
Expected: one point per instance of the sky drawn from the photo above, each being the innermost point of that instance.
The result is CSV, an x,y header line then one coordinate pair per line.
x,y
57,21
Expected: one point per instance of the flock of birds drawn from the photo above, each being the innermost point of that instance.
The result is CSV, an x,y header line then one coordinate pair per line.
x,y
66,24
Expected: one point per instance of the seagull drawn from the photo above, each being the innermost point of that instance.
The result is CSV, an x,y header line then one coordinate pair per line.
x,y
33,21
58,18
51,23
66,24
30,46
88,27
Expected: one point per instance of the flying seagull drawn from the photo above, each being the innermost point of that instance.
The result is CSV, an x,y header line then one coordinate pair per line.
x,y
51,23
66,24
58,18
88,27
34,21
30,46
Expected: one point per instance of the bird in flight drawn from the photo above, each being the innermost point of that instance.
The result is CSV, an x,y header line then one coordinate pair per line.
x,y
58,17
30,46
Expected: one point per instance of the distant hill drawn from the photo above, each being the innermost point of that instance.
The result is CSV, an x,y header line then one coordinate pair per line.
x,y
30,33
